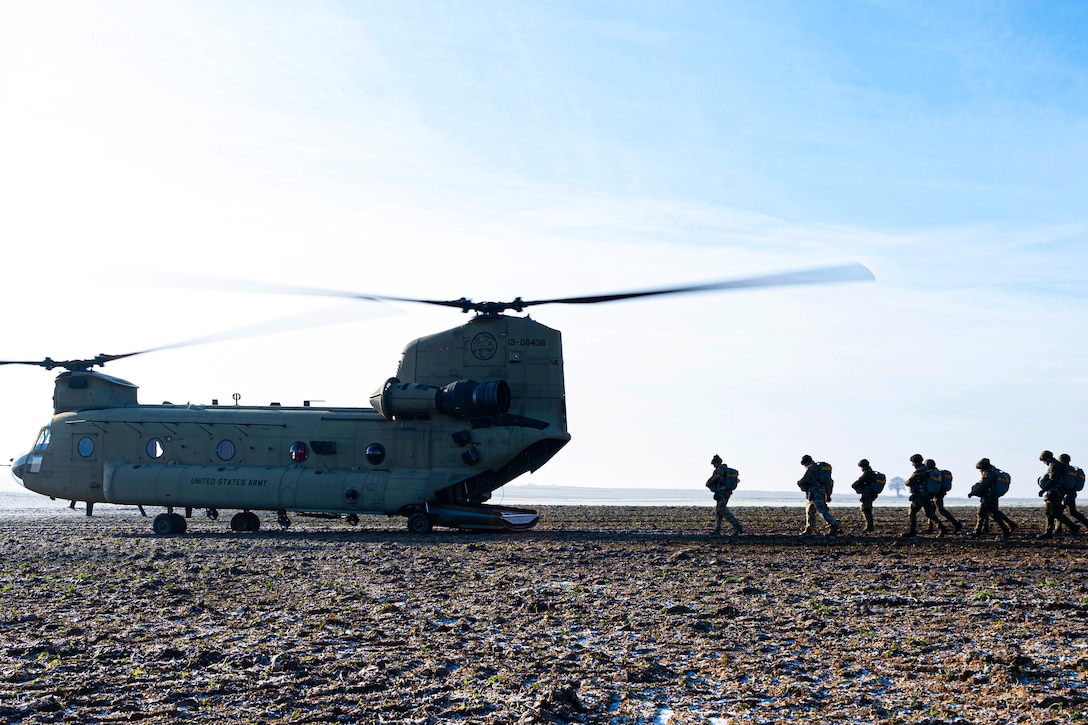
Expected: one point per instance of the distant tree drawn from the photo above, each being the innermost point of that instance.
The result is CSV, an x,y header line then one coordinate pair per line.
x,y
897,484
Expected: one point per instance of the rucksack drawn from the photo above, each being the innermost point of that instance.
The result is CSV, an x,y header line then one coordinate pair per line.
x,y
727,483
1074,478
1001,485
935,484
878,483
825,473
946,481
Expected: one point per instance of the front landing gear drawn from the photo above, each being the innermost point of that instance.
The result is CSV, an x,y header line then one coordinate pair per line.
x,y
245,521
169,524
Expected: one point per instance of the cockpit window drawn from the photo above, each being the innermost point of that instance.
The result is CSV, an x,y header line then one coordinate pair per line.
x,y
43,440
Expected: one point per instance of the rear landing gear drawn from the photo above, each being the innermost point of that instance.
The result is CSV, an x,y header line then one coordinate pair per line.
x,y
419,523
169,524
245,521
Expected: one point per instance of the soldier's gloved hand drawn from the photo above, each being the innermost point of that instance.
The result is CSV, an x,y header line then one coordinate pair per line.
x,y
1040,493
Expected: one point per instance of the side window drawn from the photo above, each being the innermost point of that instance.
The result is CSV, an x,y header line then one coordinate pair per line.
x,y
299,452
43,440
375,454
85,447
155,448
225,450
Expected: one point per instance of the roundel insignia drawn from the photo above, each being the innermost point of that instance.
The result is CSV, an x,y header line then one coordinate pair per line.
x,y
484,346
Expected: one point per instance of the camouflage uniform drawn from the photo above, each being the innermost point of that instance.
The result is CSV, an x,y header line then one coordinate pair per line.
x,y
1070,499
921,500
865,486
938,504
986,490
817,496
1051,487
717,484
1070,502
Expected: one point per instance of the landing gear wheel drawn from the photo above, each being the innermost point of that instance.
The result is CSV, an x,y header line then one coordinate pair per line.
x,y
245,521
419,523
168,524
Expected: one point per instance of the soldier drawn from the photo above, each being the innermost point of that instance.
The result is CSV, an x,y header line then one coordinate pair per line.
x,y
723,485
921,499
988,496
866,485
1070,499
817,494
938,498
1051,485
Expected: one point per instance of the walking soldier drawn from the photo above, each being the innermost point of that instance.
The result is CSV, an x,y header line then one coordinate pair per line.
x,y
723,482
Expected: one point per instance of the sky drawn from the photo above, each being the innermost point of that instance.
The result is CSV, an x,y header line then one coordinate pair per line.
x,y
501,149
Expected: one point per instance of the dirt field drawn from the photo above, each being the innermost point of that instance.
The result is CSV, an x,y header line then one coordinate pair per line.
x,y
600,615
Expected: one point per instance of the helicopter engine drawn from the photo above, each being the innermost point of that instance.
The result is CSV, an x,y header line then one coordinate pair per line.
x,y
464,399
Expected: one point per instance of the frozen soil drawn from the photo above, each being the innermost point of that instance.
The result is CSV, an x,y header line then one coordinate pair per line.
x,y
599,615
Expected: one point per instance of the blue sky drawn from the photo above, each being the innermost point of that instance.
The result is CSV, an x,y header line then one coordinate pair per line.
x,y
500,149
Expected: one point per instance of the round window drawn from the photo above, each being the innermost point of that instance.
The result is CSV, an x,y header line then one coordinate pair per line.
x,y
299,452
155,448
85,447
225,449
375,453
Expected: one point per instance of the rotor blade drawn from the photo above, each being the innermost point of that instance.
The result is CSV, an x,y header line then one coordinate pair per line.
x,y
301,321
224,284
304,320
853,272
824,275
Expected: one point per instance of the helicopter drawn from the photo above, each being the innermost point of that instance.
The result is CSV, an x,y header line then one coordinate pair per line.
x,y
470,409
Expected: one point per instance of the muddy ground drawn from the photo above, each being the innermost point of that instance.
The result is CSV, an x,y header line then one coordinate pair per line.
x,y
599,615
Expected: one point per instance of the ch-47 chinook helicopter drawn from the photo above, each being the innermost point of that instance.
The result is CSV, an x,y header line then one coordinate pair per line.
x,y
470,409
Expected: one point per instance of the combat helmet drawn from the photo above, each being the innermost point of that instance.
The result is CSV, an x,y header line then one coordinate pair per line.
x,y
916,459
930,463
983,463
1046,456
863,463
716,460
806,459
1065,458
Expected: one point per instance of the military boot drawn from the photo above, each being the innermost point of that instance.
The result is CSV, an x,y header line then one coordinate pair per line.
x,y
908,534
942,533
737,531
808,532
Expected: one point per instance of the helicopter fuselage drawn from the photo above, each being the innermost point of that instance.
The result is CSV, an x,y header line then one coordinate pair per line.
x,y
470,409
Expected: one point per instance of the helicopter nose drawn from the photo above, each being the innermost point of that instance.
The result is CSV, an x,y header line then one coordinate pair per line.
x,y
19,468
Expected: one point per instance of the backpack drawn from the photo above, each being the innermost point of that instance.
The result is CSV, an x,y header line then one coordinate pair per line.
x,y
878,483
825,473
1001,486
727,483
935,484
1074,479
946,481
